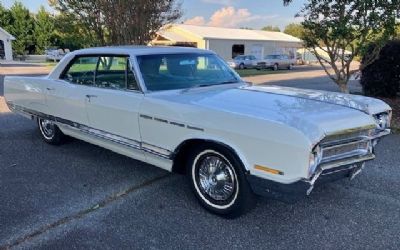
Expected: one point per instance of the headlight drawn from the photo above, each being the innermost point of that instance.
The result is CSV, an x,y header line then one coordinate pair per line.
x,y
315,160
383,119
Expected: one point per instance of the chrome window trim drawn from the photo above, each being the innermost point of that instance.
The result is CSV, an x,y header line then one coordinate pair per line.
x,y
132,67
136,69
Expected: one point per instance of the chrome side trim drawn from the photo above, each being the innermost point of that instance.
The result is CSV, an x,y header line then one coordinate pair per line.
x,y
182,125
194,128
146,117
160,120
165,153
143,146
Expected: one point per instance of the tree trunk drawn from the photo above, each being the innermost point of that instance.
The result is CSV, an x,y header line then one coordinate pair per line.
x,y
343,86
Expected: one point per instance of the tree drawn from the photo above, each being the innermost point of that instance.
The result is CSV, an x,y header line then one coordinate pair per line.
x,y
334,26
382,77
22,28
139,20
87,14
71,33
129,22
294,29
271,28
5,18
44,28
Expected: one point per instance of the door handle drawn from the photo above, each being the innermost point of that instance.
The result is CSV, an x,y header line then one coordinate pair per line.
x,y
91,96
49,89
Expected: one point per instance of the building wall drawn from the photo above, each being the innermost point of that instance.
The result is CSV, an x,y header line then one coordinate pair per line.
x,y
7,46
257,48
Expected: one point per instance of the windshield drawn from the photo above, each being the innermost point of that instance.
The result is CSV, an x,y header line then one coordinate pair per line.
x,y
181,71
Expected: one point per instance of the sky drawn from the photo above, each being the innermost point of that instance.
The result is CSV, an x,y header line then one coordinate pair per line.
x,y
221,13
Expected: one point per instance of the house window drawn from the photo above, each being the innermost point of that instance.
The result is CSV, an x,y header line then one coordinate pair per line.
x,y
237,50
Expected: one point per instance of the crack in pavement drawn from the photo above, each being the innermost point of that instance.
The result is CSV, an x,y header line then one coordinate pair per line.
x,y
80,214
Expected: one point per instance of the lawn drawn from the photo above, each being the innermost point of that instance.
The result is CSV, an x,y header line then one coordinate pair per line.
x,y
254,72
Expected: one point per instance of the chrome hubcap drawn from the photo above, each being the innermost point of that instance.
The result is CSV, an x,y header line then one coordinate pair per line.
x,y
216,178
47,128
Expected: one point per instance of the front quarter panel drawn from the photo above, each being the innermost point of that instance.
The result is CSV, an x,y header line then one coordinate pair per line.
x,y
167,124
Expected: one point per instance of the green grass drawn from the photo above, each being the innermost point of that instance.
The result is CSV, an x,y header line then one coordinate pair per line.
x,y
254,72
50,64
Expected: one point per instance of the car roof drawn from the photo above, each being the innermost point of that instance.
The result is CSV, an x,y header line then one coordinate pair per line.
x,y
140,50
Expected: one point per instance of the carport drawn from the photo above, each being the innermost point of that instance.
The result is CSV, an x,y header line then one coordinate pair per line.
x,y
5,45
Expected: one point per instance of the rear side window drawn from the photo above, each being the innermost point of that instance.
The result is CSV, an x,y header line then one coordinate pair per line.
x,y
82,71
111,72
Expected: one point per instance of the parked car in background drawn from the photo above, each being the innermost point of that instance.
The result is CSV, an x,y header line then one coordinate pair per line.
x,y
55,54
243,62
186,111
276,62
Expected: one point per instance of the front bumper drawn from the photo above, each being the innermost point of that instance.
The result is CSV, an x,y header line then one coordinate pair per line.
x,y
334,169
295,191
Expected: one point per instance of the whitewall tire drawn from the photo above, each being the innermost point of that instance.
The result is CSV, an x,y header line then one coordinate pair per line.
x,y
219,181
50,132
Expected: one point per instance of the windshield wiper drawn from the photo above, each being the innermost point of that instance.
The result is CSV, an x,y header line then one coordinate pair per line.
x,y
227,82
202,85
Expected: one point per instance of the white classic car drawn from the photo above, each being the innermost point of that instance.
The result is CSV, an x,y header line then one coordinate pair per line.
x,y
185,110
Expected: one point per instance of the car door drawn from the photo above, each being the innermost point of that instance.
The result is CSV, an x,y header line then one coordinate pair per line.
x,y
285,59
113,102
65,97
246,61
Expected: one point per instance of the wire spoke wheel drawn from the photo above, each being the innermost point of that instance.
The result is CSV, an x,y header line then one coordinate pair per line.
x,y
47,128
215,179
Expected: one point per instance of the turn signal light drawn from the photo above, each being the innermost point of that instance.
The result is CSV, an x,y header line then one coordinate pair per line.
x,y
268,170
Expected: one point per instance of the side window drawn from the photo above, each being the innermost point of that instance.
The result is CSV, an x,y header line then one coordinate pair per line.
x,y
114,72
82,71
111,72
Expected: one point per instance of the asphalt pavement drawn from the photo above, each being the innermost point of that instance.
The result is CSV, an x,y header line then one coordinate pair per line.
x,y
80,196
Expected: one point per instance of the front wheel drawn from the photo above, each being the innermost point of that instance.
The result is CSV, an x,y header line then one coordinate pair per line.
x,y
219,182
276,67
50,132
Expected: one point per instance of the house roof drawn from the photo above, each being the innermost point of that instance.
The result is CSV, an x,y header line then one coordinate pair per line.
x,y
11,37
205,32
172,36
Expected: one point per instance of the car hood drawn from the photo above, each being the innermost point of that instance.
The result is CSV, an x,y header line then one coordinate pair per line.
x,y
315,113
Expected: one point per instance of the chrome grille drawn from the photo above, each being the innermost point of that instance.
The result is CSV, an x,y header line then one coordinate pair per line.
x,y
350,136
345,145
342,151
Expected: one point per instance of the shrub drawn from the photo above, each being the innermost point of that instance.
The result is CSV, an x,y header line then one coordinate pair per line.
x,y
382,77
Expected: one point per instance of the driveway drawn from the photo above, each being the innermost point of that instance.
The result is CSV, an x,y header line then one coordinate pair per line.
x,y
82,196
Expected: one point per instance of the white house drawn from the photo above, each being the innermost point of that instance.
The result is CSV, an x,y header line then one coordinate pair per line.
x,y
229,43
5,45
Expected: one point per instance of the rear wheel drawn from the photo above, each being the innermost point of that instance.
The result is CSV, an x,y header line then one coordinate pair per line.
x,y
290,67
219,182
50,132
276,67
